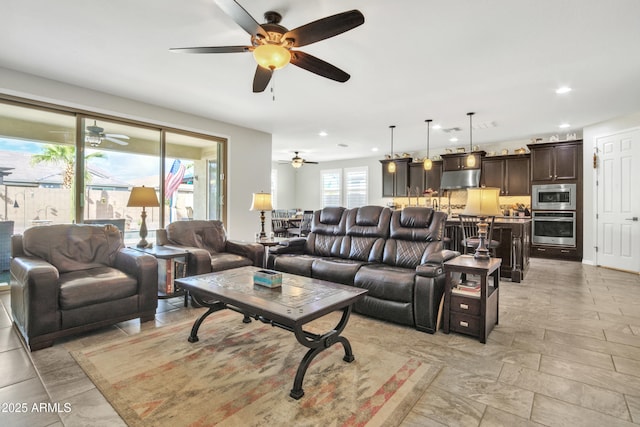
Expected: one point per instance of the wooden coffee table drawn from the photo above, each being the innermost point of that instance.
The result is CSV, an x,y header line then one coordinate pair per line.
x,y
299,301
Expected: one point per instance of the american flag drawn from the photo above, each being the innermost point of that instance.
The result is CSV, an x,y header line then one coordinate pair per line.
x,y
174,178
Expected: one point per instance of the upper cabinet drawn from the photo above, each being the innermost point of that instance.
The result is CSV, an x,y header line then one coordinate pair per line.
x,y
557,161
457,161
395,184
422,179
508,173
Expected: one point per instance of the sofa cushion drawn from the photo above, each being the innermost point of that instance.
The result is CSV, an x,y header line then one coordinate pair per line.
x,y
386,282
226,261
295,264
323,245
209,235
72,247
336,270
93,286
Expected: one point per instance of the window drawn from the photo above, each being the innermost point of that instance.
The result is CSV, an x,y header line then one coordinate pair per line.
x,y
356,185
331,191
351,192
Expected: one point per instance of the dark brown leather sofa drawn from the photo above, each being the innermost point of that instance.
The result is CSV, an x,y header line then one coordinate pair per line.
x,y
208,246
397,256
69,278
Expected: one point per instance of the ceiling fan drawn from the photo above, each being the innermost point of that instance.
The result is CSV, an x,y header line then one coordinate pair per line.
x,y
272,44
95,135
297,161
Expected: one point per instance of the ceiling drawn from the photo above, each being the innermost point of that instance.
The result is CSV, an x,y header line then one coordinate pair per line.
x,y
411,60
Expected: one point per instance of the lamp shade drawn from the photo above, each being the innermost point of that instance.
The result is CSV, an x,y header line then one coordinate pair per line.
x,y
143,197
483,201
261,202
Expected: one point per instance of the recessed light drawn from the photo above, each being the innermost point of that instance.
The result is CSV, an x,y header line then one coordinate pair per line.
x,y
436,127
374,149
322,133
563,89
454,139
564,126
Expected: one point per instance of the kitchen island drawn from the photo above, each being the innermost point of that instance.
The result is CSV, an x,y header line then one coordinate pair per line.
x,y
514,235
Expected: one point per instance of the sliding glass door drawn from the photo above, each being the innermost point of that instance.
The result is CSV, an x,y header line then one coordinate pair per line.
x,y
117,157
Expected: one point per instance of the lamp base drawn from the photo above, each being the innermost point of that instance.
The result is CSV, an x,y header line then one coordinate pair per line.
x,y
482,255
142,244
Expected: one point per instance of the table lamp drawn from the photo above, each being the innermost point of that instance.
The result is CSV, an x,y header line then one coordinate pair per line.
x,y
261,202
482,202
143,197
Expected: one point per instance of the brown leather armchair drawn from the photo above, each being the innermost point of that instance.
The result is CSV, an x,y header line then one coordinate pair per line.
x,y
69,278
208,246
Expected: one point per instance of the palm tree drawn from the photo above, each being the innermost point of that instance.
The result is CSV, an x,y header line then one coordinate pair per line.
x,y
65,155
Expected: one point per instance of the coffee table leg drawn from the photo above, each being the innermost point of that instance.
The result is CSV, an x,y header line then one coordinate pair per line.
x,y
316,345
213,307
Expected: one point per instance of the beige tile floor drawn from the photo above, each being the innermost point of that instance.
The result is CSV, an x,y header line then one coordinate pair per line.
x,y
566,353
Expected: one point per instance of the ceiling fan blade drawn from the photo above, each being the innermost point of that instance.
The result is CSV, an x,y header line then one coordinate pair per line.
x,y
310,163
318,66
116,135
325,28
261,79
241,17
211,49
117,141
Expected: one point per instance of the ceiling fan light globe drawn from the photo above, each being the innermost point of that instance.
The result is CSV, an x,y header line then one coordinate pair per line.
x,y
271,56
296,164
93,140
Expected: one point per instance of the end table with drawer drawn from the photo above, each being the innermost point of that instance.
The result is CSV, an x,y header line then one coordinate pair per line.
x,y
471,313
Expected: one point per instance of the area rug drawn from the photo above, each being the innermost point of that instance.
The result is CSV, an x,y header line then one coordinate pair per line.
x,y
241,374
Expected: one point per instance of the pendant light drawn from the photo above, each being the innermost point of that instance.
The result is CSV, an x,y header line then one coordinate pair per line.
x,y
428,164
391,167
471,159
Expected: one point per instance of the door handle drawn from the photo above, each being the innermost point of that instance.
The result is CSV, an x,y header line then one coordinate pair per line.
x,y
635,218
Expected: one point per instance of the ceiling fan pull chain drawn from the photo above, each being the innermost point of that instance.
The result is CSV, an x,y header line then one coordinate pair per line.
x,y
273,89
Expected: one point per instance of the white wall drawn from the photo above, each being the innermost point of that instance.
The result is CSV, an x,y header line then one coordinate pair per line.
x,y
249,151
591,134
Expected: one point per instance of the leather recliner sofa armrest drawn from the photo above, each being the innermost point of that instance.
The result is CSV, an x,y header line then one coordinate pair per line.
x,y
253,251
144,268
433,265
293,246
34,295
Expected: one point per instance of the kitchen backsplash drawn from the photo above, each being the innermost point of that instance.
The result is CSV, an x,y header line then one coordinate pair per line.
x,y
458,201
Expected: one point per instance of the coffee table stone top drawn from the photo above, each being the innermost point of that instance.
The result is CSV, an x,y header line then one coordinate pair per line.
x,y
296,297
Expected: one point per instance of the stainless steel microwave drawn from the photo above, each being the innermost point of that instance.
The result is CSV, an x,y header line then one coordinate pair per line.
x,y
555,197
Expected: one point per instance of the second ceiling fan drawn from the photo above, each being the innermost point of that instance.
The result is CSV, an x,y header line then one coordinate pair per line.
x,y
272,44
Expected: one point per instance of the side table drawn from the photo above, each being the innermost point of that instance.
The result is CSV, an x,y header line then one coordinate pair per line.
x,y
267,243
172,264
469,313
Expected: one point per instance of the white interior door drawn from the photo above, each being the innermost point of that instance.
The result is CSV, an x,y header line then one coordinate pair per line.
x,y
618,224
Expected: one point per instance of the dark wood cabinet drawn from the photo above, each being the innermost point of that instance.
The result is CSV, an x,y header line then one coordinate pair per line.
x,y
508,173
457,161
395,184
422,179
557,161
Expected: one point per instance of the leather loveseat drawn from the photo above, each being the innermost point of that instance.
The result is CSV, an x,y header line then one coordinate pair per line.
x,y
69,278
397,256
208,246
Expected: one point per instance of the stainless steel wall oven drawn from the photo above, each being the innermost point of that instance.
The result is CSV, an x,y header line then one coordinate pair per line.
x,y
554,228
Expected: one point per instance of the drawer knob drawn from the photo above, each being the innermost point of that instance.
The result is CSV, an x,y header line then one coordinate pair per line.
x,y
464,324
464,306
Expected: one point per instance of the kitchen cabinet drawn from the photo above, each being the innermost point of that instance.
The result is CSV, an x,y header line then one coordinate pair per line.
x,y
556,161
422,179
395,184
508,173
457,161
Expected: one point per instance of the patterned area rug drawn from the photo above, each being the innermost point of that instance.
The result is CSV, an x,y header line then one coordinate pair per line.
x,y
241,374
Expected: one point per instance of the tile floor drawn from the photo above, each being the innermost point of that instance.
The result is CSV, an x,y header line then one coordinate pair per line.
x,y
566,353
